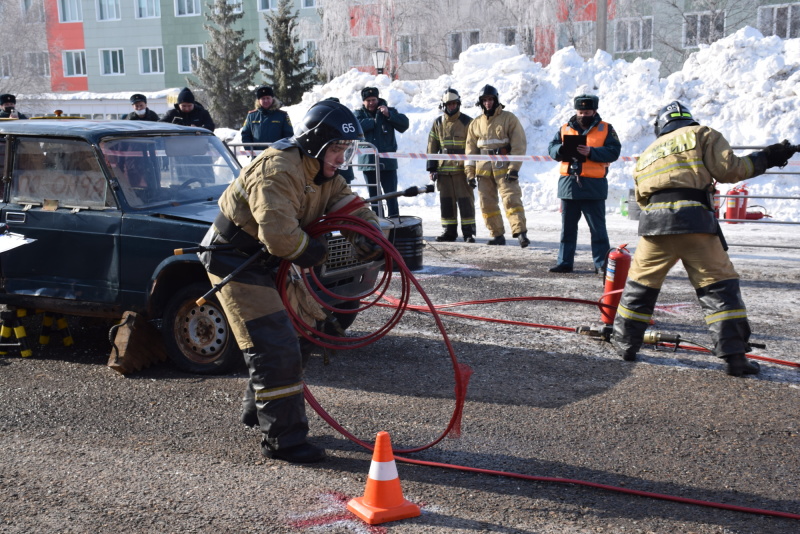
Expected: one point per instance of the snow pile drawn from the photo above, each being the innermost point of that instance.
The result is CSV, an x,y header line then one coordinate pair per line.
x,y
745,86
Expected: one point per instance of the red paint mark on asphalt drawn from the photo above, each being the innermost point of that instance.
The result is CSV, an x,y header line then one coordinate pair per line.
x,y
335,512
674,309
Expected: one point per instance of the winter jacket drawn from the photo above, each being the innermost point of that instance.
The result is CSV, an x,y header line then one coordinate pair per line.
x,y
587,180
6,114
275,197
448,135
674,177
379,130
501,133
198,117
266,125
149,115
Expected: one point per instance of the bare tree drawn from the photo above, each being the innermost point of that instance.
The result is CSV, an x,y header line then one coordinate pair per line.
x,y
24,59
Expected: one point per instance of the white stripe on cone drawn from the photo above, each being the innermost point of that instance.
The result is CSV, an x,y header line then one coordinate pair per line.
x,y
383,471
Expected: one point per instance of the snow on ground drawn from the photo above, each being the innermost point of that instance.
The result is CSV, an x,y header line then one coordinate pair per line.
x,y
746,86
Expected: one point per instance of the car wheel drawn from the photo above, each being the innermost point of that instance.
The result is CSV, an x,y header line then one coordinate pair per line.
x,y
198,338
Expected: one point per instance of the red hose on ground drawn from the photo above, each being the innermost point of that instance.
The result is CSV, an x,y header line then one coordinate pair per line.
x,y
461,371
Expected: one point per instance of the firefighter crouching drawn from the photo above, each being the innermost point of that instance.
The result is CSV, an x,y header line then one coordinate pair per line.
x,y
287,187
673,178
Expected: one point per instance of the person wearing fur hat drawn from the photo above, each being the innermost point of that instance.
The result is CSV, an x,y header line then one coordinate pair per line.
x,y
8,103
267,123
583,186
189,112
379,123
140,110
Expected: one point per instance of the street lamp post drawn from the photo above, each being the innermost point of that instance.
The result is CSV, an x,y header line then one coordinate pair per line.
x,y
379,58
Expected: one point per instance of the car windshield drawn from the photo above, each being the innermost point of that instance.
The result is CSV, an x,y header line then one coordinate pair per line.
x,y
157,170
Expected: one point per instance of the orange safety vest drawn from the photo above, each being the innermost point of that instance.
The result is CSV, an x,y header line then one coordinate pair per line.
x,y
596,137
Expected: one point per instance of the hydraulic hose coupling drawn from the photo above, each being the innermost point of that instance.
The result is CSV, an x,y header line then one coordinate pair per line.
x,y
652,337
603,333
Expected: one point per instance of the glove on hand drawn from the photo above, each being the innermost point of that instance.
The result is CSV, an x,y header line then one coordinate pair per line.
x,y
434,176
315,254
366,249
778,154
177,120
472,183
512,176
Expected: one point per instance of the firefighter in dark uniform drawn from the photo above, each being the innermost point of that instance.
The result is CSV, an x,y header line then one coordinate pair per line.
x,y
498,132
268,122
674,189
583,186
448,135
8,105
140,110
287,187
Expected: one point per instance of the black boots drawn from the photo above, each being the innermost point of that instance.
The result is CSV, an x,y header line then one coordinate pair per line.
x,y
523,239
499,240
304,453
447,236
739,365
469,239
561,268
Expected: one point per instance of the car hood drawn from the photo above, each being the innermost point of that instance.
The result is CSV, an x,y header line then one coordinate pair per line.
x,y
201,212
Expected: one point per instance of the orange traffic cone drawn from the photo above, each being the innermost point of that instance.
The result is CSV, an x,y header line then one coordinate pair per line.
x,y
383,499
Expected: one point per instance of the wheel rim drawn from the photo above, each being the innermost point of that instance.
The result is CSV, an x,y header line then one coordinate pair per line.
x,y
201,332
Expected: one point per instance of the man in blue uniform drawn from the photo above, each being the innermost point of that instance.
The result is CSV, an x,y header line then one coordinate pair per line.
x,y
268,122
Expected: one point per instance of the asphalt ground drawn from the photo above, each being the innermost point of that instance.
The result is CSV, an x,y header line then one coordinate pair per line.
x,y
88,450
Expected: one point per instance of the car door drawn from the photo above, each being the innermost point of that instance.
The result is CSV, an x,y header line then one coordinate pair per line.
x,y
59,196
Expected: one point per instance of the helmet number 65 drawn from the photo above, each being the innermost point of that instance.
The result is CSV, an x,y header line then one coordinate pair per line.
x,y
348,127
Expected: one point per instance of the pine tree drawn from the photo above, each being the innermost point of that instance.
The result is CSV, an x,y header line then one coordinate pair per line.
x,y
289,75
224,78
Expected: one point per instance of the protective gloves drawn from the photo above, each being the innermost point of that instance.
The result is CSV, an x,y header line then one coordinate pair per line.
x,y
366,249
434,176
315,253
778,154
472,183
512,176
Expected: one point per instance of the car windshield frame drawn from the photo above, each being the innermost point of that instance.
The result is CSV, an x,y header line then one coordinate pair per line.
x,y
152,170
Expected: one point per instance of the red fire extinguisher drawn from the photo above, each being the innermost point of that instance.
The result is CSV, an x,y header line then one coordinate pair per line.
x,y
731,204
617,265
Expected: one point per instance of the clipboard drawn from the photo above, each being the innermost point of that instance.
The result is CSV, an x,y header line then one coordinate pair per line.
x,y
569,147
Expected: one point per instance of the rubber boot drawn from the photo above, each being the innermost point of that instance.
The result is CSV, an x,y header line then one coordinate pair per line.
x,y
523,239
739,365
450,234
497,240
249,415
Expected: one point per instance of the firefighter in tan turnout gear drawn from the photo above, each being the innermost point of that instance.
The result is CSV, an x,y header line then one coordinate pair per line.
x,y
498,132
674,189
448,135
287,187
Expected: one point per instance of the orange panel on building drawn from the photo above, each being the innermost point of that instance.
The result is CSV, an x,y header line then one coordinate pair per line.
x,y
63,36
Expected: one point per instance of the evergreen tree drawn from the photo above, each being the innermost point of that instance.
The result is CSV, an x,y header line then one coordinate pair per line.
x,y
224,78
289,75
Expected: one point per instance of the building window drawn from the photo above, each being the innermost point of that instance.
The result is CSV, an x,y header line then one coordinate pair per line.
x,y
634,35
460,41
69,11
148,9
189,58
39,63
108,10
151,60
703,28
75,63
311,53
408,49
237,5
264,5
523,38
187,8
5,66
112,62
309,3
783,21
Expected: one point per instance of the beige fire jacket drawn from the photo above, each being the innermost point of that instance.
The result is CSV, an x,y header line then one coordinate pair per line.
x,y
501,132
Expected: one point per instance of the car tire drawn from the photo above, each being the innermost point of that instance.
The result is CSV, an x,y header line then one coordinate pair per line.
x,y
198,338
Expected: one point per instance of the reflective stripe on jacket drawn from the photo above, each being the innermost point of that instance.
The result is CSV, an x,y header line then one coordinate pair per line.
x,y
595,137
448,135
690,157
